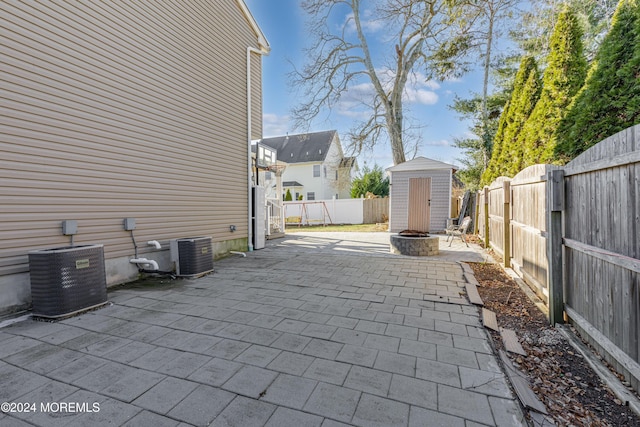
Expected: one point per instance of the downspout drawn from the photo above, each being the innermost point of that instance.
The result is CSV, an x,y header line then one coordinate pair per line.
x,y
249,165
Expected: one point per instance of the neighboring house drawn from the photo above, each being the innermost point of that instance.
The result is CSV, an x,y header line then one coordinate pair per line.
x,y
316,166
113,110
420,188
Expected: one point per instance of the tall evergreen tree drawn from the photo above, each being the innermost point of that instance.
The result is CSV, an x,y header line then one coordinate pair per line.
x,y
563,77
491,172
537,22
512,157
610,99
506,158
474,146
371,181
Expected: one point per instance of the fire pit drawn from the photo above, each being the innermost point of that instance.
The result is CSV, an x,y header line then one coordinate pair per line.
x,y
415,243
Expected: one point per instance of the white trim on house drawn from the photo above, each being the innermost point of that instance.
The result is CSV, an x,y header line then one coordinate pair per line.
x,y
262,40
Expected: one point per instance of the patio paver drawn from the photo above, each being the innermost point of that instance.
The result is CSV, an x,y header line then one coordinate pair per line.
x,y
317,329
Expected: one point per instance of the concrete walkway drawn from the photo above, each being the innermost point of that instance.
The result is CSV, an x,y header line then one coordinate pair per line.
x,y
314,330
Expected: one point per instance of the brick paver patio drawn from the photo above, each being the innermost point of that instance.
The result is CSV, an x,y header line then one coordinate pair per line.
x,y
319,330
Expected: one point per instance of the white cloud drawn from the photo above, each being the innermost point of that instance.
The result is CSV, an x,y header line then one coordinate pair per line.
x,y
353,103
440,143
274,125
418,90
431,84
367,21
420,96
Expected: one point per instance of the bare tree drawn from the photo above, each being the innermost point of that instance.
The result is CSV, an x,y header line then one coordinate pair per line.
x,y
420,44
538,22
487,18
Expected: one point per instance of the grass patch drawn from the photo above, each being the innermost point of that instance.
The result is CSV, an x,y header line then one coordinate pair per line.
x,y
342,228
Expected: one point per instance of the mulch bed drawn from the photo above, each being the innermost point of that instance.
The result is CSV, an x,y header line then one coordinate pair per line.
x,y
571,391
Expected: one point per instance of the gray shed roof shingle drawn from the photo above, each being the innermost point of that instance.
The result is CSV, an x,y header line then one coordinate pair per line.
x,y
420,163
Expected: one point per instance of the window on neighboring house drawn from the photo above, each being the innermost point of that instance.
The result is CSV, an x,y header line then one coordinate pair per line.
x,y
316,171
297,195
325,171
267,175
311,195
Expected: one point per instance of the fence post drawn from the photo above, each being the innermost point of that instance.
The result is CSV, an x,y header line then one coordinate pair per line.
x,y
555,200
476,213
506,215
486,217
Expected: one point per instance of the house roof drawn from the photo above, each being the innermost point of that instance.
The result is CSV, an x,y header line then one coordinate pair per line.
x,y
262,40
420,163
306,147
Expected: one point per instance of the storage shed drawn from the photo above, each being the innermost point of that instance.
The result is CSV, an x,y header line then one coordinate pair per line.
x,y
420,195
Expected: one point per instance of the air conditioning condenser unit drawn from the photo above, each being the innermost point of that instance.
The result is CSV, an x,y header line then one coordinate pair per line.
x,y
193,256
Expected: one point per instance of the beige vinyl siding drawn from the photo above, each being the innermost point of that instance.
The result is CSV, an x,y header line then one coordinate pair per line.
x,y
440,198
256,97
123,109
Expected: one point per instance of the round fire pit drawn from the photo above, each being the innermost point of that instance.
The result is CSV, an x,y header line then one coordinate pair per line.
x,y
414,243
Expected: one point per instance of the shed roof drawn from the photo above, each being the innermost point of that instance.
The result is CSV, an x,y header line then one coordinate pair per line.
x,y
420,163
306,147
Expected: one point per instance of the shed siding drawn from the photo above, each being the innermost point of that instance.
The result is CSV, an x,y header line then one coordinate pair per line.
x,y
123,109
440,198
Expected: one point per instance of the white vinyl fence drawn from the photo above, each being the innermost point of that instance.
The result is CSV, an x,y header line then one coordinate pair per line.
x,y
335,211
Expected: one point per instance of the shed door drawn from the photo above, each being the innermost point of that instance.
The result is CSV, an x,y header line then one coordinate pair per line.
x,y
419,204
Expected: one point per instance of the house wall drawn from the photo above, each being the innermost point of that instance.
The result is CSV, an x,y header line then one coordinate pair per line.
x,y
331,162
325,186
345,177
440,198
122,109
303,173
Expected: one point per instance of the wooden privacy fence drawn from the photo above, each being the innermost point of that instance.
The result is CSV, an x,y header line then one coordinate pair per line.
x,y
573,234
375,210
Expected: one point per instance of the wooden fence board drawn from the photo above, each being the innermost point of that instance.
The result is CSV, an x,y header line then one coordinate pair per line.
x,y
602,263
601,241
375,210
481,213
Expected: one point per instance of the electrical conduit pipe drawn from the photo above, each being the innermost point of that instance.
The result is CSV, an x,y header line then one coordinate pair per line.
x,y
145,261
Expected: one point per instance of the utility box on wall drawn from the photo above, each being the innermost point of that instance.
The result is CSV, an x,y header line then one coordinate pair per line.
x,y
67,280
259,215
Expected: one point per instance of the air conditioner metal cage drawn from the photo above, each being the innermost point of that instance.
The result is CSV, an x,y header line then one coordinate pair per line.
x,y
193,257
67,280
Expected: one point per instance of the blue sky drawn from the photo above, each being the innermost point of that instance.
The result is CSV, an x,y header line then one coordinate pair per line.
x,y
283,23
